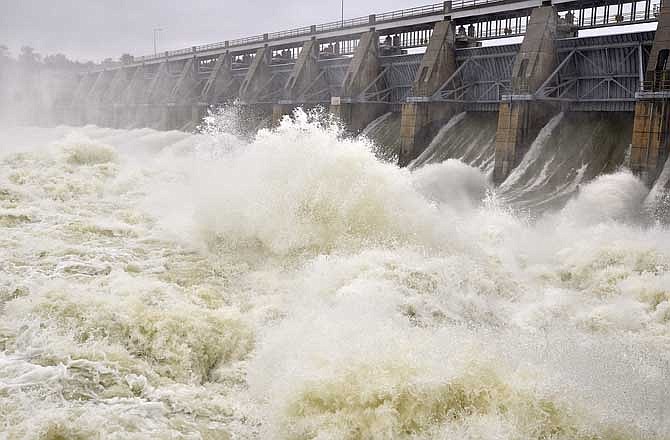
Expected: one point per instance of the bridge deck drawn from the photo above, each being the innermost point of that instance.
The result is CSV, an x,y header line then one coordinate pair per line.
x,y
491,16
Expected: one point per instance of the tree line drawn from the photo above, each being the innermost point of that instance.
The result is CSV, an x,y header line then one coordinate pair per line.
x,y
28,57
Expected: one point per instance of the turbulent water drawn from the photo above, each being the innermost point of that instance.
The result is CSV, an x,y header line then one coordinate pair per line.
x,y
571,150
658,200
384,132
172,286
468,137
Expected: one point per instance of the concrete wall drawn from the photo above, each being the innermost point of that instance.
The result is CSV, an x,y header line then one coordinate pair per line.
x,y
519,118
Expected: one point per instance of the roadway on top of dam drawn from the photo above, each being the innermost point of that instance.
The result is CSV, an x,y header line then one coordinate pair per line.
x,y
422,16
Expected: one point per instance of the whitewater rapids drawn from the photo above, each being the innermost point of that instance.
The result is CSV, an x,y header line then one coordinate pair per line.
x,y
163,285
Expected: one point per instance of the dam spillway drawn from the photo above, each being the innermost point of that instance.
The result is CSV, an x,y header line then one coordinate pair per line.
x,y
362,69
426,65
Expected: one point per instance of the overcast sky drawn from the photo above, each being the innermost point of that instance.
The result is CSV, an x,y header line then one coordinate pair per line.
x,y
96,29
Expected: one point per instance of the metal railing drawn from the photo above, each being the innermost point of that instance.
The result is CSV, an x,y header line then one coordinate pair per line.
x,y
658,81
385,17
584,19
462,4
412,12
662,85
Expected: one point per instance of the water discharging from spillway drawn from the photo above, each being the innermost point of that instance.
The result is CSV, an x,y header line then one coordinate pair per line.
x,y
657,203
571,150
173,286
468,137
384,132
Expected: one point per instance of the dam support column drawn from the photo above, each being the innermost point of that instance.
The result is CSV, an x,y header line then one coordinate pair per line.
x,y
364,69
256,85
155,110
77,109
113,97
89,107
127,112
421,118
304,79
651,128
95,107
182,97
519,117
220,85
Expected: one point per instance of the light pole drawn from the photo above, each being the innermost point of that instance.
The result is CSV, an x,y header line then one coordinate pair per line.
x,y
156,33
342,3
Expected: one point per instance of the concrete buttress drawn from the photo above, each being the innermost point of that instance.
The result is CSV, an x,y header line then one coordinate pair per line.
x,y
95,112
220,82
127,113
182,97
220,86
651,128
155,99
421,120
364,68
113,96
305,77
519,118
258,77
77,115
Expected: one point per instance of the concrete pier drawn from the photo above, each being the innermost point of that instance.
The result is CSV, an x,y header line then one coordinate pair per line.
x,y
220,81
519,117
651,130
155,102
94,99
113,96
422,118
258,77
182,97
219,86
306,77
126,113
76,114
354,112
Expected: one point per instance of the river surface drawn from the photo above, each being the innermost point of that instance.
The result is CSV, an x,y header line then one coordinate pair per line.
x,y
164,285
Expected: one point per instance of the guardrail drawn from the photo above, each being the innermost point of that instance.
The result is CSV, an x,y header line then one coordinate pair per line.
x,y
462,4
385,17
657,82
419,11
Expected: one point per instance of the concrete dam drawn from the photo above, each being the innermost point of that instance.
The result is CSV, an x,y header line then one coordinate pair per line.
x,y
430,84
444,222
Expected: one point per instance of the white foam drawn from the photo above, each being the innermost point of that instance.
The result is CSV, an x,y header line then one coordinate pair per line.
x,y
194,286
534,153
437,141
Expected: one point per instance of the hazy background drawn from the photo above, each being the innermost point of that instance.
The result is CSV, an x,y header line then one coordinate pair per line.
x,y
97,29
